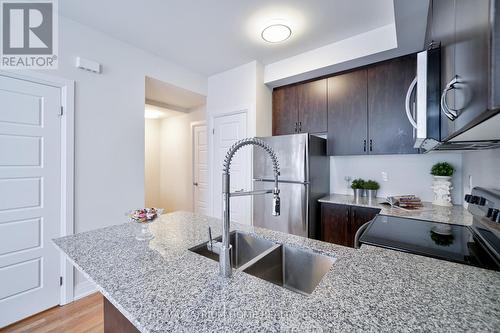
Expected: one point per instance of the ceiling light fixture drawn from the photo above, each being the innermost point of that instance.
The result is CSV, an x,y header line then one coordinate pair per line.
x,y
276,33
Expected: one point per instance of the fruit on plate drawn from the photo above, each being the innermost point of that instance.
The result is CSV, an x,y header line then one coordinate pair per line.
x,y
145,215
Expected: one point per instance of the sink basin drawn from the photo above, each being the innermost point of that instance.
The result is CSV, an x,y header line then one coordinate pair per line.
x,y
291,268
244,248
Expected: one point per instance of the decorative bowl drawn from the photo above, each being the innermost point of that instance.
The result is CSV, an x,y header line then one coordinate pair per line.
x,y
144,216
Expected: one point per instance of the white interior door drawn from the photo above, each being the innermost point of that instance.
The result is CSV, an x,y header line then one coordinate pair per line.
x,y
200,170
30,198
227,130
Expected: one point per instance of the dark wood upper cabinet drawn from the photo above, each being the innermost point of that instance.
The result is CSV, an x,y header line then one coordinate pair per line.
x,y
300,108
335,224
389,130
347,114
285,110
362,111
312,99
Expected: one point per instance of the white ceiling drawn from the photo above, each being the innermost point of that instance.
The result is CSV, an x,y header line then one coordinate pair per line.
x,y
212,36
168,96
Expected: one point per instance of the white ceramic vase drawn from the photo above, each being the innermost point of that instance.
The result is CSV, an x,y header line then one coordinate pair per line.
x,y
441,186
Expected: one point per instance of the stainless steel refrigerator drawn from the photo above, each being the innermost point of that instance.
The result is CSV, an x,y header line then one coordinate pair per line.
x,y
304,178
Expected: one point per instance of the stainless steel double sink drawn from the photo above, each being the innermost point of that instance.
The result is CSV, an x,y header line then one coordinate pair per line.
x,y
295,269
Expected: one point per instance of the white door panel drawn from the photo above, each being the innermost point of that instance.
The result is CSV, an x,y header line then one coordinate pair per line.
x,y
30,198
200,170
227,130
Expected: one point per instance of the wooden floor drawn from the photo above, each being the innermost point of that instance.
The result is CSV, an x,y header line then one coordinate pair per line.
x,y
84,315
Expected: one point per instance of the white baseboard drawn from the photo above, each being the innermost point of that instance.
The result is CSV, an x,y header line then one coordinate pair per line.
x,y
83,289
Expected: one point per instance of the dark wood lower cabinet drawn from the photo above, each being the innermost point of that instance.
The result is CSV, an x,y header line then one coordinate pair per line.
x,y
335,224
339,223
359,216
114,321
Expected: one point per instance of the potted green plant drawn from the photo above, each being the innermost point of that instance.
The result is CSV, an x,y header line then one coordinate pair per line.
x,y
441,185
358,187
371,188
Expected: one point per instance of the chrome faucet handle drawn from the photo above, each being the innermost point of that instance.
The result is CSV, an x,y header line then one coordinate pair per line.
x,y
211,245
210,236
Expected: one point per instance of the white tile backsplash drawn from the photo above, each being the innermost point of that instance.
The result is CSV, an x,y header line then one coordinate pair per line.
x,y
396,174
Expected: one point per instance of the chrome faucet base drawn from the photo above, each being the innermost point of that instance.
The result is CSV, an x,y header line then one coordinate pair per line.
x,y
225,269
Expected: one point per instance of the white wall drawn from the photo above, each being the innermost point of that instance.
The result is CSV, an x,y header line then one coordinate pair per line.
x,y
241,88
152,163
264,102
176,160
481,168
407,174
109,121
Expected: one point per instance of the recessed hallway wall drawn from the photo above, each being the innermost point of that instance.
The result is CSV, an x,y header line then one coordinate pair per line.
x,y
169,176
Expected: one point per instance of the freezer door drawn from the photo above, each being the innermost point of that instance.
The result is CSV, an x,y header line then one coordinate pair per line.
x,y
294,209
291,151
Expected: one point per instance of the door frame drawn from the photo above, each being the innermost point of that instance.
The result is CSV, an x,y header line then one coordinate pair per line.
x,y
211,168
193,125
67,90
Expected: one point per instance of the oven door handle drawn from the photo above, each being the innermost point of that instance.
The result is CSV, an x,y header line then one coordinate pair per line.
x,y
360,231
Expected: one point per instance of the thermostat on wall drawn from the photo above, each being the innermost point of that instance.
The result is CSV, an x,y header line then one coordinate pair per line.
x,y
88,65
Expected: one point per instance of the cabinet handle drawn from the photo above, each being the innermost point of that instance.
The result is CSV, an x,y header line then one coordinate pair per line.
x,y
364,145
411,118
300,126
371,145
295,130
452,114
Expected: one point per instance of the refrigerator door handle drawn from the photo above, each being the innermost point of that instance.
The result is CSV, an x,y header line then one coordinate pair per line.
x,y
306,211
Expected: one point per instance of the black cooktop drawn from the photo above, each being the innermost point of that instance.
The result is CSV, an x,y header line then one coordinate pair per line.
x,y
438,240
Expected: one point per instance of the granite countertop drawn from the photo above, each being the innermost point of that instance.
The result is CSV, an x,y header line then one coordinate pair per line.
x,y
160,286
456,214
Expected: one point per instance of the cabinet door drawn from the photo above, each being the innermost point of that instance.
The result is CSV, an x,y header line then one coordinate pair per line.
x,y
313,110
359,216
389,129
347,114
472,31
285,110
443,32
335,224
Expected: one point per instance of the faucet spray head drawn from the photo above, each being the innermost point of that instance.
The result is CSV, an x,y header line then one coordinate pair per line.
x,y
276,202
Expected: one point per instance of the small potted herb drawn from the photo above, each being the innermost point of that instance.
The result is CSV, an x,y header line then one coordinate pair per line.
x,y
358,187
371,188
442,173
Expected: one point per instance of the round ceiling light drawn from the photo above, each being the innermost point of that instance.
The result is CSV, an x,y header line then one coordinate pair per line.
x,y
276,33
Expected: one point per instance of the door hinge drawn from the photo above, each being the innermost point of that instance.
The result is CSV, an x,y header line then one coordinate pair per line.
x,y
60,280
61,111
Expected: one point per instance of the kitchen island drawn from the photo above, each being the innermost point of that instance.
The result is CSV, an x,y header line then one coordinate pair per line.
x,y
161,286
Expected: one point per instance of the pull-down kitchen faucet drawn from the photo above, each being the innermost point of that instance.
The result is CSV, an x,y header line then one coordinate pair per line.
x,y
224,248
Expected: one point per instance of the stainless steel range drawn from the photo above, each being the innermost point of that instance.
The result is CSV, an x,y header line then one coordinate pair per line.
x,y
477,245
